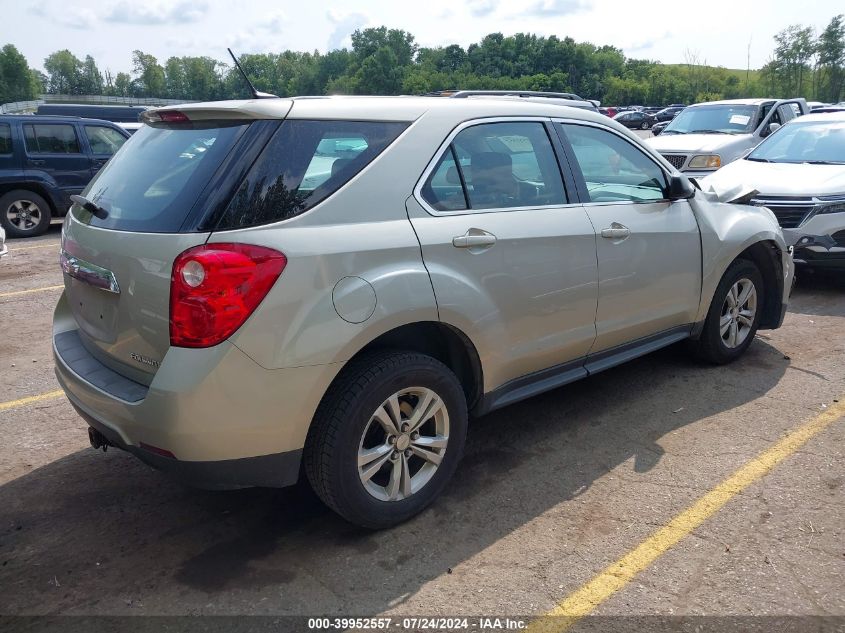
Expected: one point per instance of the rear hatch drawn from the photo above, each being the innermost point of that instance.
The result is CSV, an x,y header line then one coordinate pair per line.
x,y
158,191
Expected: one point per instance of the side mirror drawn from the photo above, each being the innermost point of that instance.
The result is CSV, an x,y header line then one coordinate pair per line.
x,y
680,188
772,127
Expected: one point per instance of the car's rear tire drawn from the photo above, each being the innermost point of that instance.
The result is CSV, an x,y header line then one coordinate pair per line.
x,y
368,466
24,213
734,314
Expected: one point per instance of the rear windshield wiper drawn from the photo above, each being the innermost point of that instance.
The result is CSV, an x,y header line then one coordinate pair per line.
x,y
93,207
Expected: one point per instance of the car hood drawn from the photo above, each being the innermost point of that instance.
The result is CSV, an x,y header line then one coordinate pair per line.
x,y
700,143
780,178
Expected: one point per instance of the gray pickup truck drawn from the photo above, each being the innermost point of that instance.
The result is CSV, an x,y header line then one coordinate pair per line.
x,y
707,136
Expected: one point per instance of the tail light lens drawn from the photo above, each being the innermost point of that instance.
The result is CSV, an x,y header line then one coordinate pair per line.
x,y
215,287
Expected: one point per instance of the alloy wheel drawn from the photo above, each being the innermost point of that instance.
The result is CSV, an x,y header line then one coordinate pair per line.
x,y
403,444
738,311
24,215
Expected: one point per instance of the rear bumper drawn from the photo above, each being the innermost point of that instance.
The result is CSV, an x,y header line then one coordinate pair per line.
x,y
272,471
225,420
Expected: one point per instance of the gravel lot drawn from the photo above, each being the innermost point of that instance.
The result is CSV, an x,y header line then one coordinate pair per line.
x,y
551,491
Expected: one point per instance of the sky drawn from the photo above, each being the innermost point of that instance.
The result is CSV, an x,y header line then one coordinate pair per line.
x,y
717,32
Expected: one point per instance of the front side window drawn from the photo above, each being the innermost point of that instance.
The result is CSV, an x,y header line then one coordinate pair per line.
x,y
5,138
51,138
303,164
614,170
104,140
501,165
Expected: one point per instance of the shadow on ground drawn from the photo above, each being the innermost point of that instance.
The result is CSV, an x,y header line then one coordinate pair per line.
x,y
95,533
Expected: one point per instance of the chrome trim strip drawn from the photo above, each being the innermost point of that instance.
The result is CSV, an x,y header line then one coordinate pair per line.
x,y
89,273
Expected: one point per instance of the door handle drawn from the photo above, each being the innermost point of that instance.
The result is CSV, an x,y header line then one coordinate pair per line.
x,y
37,162
474,238
616,231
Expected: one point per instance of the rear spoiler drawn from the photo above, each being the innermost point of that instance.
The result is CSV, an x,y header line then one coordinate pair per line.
x,y
252,109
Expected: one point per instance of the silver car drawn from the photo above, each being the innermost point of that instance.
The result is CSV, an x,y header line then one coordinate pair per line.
x,y
340,283
707,136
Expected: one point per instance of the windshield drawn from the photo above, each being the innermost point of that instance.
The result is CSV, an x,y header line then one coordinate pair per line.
x,y
804,142
715,119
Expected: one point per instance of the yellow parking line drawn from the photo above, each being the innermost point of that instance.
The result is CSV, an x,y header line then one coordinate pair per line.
x,y
614,577
29,400
26,292
30,248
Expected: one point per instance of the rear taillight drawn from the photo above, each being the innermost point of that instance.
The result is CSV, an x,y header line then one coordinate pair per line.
x,y
215,287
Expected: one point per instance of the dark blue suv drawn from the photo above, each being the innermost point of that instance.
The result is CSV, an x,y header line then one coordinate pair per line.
x,y
43,161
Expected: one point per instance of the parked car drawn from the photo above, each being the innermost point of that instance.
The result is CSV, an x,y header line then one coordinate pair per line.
x,y
608,111
799,172
113,113
667,114
4,250
635,119
707,136
46,160
658,127
248,302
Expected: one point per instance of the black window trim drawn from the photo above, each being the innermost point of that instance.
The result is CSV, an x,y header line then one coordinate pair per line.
x,y
446,145
581,183
11,151
53,123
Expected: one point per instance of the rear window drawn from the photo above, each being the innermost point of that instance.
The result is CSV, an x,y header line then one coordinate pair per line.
x,y
303,164
152,183
51,139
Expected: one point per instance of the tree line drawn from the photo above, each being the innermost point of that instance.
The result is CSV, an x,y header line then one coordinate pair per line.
x,y
386,61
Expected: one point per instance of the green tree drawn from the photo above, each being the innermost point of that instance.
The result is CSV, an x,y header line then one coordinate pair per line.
x,y
830,48
90,79
15,76
64,72
150,81
380,73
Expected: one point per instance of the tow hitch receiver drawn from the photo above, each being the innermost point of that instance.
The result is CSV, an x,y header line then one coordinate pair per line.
x,y
97,439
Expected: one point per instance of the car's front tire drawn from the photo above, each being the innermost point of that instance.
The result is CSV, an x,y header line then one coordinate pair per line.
x,y
734,314
24,213
386,438
644,126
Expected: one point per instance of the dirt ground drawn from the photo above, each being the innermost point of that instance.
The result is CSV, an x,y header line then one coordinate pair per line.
x,y
550,492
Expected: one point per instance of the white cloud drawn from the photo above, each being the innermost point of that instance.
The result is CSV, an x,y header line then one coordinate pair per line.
x,y
344,25
482,8
549,8
149,13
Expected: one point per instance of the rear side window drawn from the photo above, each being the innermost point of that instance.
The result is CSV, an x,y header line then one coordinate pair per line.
x,y
5,139
153,182
51,138
303,164
496,166
104,140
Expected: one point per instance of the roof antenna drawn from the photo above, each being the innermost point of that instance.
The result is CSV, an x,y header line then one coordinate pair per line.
x,y
255,93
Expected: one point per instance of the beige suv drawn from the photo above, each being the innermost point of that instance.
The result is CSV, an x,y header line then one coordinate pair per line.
x,y
341,283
